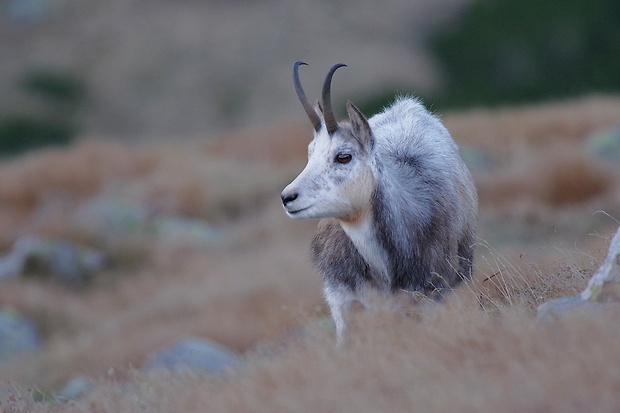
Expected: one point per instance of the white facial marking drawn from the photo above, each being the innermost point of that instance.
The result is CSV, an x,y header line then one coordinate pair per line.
x,y
337,181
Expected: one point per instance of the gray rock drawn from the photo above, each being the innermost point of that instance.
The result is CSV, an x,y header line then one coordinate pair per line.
x,y
71,263
605,143
604,286
75,388
111,219
602,292
18,335
178,230
570,305
477,158
27,11
194,354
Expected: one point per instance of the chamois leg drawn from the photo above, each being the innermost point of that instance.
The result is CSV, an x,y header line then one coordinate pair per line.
x,y
339,301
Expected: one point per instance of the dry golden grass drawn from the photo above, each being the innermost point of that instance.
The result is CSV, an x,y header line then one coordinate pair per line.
x,y
467,362
481,352
509,130
540,151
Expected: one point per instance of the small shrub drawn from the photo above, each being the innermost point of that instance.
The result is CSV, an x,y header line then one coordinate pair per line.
x,y
574,178
20,133
56,97
55,85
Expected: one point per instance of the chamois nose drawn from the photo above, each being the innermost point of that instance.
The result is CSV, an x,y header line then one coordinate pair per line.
x,y
286,198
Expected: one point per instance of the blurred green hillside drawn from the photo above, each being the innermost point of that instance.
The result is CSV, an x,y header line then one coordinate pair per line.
x,y
514,51
132,71
48,118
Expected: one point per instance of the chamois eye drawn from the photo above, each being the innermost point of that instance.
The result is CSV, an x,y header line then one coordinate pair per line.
x,y
343,157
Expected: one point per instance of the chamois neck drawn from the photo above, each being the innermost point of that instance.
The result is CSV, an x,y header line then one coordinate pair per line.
x,y
363,233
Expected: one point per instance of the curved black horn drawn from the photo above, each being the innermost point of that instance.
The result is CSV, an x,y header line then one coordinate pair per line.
x,y
328,113
314,117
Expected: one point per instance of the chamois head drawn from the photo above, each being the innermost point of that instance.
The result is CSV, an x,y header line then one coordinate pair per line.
x,y
338,180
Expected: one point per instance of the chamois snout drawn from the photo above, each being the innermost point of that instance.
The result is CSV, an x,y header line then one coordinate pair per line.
x,y
288,197
294,204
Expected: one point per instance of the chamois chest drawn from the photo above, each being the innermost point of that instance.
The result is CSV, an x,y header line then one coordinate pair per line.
x,y
350,261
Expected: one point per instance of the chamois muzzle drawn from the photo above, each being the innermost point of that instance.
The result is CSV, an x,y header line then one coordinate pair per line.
x,y
287,198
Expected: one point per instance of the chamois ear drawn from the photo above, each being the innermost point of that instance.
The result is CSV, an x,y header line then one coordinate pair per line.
x,y
359,126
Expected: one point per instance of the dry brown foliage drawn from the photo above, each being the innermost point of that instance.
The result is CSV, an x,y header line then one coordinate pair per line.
x,y
539,238
466,362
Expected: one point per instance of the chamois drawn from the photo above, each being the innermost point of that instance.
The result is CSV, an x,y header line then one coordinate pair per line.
x,y
398,206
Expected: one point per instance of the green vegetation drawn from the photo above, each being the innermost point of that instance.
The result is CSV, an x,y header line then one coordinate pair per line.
x,y
55,96
19,133
518,51
511,51
55,86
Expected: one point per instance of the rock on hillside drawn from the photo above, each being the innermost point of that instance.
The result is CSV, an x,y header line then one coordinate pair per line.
x,y
602,291
198,355
18,335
